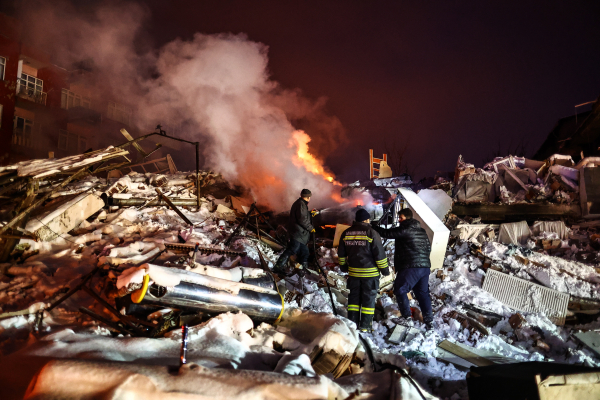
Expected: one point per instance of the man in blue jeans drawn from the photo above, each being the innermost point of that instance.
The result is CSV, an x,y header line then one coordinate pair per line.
x,y
412,264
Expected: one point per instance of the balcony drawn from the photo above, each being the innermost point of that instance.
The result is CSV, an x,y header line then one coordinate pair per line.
x,y
30,88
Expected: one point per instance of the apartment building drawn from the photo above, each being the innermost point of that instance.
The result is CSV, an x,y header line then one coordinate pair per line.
x,y
46,109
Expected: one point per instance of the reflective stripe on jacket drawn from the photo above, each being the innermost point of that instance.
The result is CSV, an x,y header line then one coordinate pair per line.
x,y
361,252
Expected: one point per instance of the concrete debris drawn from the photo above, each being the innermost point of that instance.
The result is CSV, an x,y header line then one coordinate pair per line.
x,y
514,233
111,266
58,220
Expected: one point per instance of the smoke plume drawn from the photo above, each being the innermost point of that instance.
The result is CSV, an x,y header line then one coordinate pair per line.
x,y
217,86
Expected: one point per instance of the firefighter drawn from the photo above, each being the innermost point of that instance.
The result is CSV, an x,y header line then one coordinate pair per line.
x,y
362,255
299,227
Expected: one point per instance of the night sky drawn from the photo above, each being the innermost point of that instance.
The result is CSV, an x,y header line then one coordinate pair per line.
x,y
447,77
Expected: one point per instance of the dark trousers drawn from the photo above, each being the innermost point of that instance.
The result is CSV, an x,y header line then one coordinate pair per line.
x,y
297,248
417,280
361,300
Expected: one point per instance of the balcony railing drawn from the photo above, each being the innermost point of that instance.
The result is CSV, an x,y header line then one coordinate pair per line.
x,y
22,139
31,94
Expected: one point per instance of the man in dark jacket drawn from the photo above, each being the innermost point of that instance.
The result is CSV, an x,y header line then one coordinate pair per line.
x,y
412,264
299,229
362,255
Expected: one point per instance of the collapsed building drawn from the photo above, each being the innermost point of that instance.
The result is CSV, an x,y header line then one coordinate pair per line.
x,y
123,278
118,279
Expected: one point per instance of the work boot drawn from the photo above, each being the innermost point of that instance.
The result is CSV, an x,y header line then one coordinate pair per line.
x,y
428,321
403,321
280,266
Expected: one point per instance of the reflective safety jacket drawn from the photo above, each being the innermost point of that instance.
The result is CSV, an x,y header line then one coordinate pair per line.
x,y
361,252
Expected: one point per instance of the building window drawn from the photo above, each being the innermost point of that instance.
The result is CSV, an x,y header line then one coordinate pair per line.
x,y
71,142
119,112
30,85
22,132
69,99
2,67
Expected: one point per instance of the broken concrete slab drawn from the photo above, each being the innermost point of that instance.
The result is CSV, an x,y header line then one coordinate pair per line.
x,y
514,233
557,227
591,339
224,212
64,218
403,334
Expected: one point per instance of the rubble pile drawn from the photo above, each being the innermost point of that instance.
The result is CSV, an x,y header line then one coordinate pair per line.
x,y
95,271
140,269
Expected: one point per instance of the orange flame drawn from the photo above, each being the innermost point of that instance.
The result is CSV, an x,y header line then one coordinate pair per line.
x,y
300,140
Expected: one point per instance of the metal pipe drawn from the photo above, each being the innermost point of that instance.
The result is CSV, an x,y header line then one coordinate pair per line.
x,y
136,202
184,343
198,175
212,295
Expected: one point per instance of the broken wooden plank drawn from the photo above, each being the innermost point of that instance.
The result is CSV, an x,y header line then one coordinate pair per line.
x,y
23,214
173,207
135,145
49,167
515,177
527,211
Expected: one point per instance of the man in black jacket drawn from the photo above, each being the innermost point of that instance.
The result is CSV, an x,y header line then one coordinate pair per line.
x,y
362,255
412,264
299,229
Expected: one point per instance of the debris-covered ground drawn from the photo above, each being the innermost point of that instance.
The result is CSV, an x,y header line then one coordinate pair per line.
x,y
90,268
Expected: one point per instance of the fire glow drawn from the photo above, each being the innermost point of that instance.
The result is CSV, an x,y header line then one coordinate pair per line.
x,y
300,140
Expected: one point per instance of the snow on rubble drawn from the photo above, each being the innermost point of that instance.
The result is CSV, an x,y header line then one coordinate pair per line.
x,y
113,250
123,251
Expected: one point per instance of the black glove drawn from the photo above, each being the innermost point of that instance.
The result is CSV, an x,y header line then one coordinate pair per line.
x,y
385,272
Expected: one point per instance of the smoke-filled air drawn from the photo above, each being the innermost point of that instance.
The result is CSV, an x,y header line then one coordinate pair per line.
x,y
216,86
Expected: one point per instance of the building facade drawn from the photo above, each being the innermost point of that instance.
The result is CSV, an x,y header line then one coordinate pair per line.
x,y
47,110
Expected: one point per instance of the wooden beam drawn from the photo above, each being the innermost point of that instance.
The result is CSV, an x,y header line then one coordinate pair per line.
x,y
528,211
173,207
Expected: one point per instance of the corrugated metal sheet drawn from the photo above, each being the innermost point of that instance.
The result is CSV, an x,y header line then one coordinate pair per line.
x,y
527,296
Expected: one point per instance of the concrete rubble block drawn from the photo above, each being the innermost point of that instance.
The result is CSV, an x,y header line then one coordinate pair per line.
x,y
225,213
514,233
437,232
591,339
64,218
558,227
403,334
